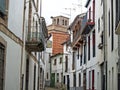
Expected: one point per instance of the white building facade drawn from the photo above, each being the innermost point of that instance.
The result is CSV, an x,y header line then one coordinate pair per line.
x,y
20,65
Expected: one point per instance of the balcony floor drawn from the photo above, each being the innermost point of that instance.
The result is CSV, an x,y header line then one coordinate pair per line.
x,y
34,46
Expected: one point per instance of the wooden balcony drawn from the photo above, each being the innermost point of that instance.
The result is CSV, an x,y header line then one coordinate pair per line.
x,y
87,25
35,42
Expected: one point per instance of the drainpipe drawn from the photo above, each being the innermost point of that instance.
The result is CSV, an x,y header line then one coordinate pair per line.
x,y
105,42
23,48
118,63
38,70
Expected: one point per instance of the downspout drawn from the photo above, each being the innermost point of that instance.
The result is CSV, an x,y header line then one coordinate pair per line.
x,y
105,42
118,63
23,48
39,73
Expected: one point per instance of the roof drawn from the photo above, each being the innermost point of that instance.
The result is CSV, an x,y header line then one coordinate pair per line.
x,y
59,16
87,3
76,18
68,42
56,55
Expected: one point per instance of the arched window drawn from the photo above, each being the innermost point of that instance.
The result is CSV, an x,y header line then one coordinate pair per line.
x,y
66,22
62,22
57,21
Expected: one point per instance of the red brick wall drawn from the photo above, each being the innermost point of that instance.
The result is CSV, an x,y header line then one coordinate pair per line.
x,y
58,39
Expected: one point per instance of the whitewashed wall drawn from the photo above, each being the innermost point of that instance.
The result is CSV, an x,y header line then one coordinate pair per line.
x,y
15,16
12,63
112,55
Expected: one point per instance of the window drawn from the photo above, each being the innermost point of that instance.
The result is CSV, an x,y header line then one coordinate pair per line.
x,y
79,80
47,75
109,80
101,2
54,21
62,22
117,12
93,42
118,81
60,60
98,80
112,27
61,77
109,22
74,80
93,81
57,77
102,38
57,21
94,10
78,53
85,54
88,47
80,59
2,53
99,25
55,62
4,4
27,74
89,80
90,13
73,61
2,7
112,78
64,80
34,83
66,63
66,22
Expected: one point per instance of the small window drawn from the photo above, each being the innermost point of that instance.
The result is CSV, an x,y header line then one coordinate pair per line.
x,y
47,75
90,14
60,60
2,7
34,83
88,47
66,22
93,41
79,80
109,23
55,62
117,9
66,63
54,21
62,22
57,77
102,38
99,25
57,21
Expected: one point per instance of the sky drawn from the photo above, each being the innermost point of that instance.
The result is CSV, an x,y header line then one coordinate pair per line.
x,y
68,8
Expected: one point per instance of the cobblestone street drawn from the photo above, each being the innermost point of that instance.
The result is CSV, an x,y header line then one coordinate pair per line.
x,y
49,88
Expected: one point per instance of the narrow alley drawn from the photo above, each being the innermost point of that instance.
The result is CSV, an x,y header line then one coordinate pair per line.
x,y
59,44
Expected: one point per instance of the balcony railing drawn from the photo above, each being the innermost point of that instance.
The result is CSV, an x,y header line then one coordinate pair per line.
x,y
78,38
87,25
36,35
34,41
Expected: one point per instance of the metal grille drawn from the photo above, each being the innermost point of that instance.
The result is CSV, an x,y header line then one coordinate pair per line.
x,y
2,51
